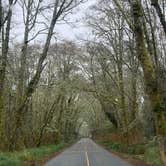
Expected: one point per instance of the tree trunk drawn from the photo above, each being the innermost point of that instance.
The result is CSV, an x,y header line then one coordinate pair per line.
x,y
152,99
34,81
21,83
1,15
121,79
5,45
156,5
134,104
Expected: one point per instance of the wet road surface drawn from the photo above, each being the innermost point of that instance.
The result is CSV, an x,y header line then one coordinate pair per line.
x,y
86,153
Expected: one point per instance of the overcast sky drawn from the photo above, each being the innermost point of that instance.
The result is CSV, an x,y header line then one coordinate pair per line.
x,y
77,29
80,29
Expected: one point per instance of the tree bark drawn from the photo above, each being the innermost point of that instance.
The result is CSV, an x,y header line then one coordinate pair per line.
x,y
5,48
1,15
161,16
21,83
151,89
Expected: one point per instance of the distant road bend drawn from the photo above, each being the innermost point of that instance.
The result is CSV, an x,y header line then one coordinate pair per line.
x,y
86,153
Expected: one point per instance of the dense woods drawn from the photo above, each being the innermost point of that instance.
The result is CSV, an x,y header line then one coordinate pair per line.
x,y
114,80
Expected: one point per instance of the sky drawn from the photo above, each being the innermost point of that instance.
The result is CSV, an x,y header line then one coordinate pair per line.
x,y
80,28
75,30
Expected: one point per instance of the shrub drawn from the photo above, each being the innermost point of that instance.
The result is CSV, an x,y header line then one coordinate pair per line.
x,y
152,156
9,161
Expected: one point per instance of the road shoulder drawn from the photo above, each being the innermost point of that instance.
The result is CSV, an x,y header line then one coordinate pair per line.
x,y
128,158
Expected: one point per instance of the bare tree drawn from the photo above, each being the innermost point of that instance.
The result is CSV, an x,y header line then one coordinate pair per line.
x,y
60,8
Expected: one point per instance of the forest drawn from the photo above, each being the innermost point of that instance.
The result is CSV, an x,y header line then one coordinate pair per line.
x,y
109,85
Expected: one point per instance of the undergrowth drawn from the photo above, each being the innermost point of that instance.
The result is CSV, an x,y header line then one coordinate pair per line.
x,y
19,158
147,152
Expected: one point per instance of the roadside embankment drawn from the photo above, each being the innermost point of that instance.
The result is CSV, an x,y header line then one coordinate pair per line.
x,y
137,154
32,156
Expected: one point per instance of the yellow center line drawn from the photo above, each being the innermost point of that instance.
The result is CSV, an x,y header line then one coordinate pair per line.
x,y
87,159
86,156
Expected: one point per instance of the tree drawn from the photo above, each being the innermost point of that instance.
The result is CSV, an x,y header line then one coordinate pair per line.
x,y
25,91
5,25
161,15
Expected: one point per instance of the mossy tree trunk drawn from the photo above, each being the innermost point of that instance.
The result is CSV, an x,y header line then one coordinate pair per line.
x,y
5,35
152,99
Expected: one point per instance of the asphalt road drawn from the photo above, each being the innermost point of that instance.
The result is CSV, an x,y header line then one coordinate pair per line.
x,y
86,153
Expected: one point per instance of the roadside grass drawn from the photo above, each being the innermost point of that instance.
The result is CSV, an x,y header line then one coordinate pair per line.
x,y
19,158
152,156
146,152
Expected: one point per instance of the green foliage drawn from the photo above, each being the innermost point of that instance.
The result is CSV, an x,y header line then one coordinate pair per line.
x,y
9,161
123,148
152,156
149,153
17,158
160,106
37,153
113,146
